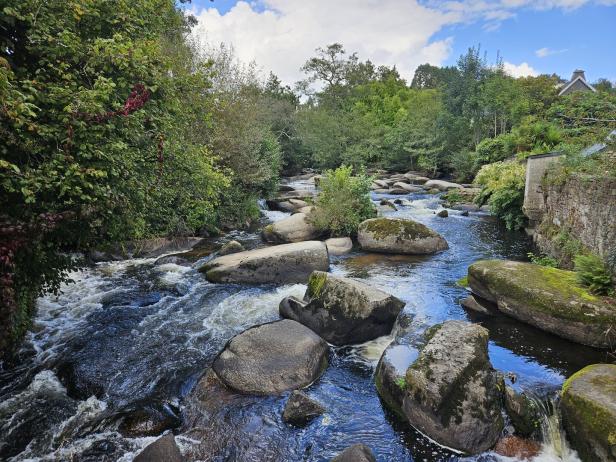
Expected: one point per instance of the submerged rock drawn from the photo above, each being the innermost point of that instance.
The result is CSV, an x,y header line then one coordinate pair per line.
x,y
272,358
278,264
339,245
147,422
547,298
519,448
356,453
164,449
343,310
588,407
451,392
296,228
230,247
392,235
301,409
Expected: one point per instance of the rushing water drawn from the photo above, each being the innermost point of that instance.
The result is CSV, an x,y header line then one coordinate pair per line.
x,y
133,336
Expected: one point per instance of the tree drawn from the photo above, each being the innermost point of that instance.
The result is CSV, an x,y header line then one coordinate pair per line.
x,y
99,105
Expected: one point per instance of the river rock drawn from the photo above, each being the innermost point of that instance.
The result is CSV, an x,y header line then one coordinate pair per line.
x,y
407,187
343,310
416,179
393,235
381,184
547,298
477,304
164,449
301,409
231,247
398,191
382,191
442,213
172,259
296,228
588,407
339,245
147,421
465,207
356,453
287,263
390,374
272,358
523,412
451,390
441,185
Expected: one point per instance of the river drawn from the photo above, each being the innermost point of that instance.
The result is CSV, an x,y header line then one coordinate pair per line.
x,y
132,335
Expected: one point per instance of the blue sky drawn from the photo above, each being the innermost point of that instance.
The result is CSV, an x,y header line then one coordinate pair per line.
x,y
532,36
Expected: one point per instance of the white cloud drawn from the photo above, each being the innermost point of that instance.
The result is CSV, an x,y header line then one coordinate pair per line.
x,y
544,52
283,34
519,70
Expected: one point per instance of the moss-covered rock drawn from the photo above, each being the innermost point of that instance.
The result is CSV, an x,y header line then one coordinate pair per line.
x,y
589,412
452,393
547,298
391,235
523,412
343,310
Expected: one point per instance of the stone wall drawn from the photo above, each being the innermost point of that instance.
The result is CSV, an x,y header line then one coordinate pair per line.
x,y
585,208
536,168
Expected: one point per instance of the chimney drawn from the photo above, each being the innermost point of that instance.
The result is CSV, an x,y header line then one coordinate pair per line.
x,y
578,73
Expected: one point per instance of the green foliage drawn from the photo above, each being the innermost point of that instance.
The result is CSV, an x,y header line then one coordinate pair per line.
x,y
503,189
592,272
543,260
100,105
343,202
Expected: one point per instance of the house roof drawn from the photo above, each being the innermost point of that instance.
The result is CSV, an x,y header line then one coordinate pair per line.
x,y
577,75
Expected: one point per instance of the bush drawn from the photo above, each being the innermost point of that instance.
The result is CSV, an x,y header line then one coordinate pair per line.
x,y
344,202
503,189
542,260
592,273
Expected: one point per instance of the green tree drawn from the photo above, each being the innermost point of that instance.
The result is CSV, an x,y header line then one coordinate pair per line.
x,y
99,103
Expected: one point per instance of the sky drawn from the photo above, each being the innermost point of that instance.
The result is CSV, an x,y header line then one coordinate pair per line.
x,y
531,36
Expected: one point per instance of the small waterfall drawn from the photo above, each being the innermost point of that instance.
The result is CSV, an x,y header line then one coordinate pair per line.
x,y
555,447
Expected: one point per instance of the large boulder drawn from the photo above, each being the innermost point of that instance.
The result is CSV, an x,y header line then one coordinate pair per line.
x,y
356,453
547,298
394,235
164,449
441,185
296,228
451,392
272,358
342,310
588,407
287,263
